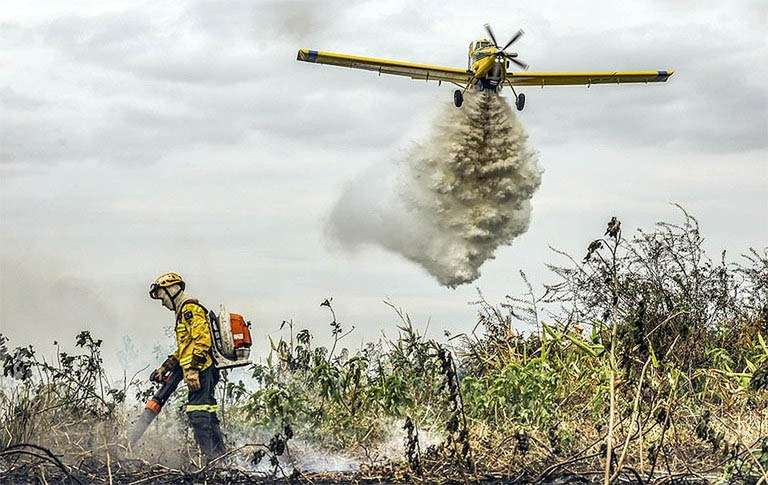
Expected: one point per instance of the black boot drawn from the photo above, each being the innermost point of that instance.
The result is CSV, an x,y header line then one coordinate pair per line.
x,y
205,426
216,437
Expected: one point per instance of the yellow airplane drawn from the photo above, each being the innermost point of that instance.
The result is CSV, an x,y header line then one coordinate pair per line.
x,y
487,68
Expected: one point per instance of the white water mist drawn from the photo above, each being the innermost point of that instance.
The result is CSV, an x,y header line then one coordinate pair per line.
x,y
456,198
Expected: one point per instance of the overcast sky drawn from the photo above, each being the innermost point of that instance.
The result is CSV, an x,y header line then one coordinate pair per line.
x,y
142,137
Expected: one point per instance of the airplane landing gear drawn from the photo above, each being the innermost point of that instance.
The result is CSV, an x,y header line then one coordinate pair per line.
x,y
458,98
520,101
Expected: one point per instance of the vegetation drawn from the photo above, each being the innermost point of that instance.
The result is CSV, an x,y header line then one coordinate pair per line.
x,y
644,361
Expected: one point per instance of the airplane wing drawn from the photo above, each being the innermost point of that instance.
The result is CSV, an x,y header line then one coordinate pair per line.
x,y
385,66
588,78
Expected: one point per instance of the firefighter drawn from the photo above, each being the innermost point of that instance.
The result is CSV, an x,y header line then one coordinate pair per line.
x,y
193,354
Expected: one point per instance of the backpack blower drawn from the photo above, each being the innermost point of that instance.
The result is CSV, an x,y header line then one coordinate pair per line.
x,y
231,347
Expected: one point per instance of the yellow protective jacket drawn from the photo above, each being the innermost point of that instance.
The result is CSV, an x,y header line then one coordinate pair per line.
x,y
193,336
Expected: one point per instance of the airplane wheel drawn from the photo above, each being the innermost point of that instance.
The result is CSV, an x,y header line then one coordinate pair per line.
x,y
458,98
520,102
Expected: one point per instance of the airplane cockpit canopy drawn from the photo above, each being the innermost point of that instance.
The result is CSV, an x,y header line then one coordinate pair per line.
x,y
479,44
474,47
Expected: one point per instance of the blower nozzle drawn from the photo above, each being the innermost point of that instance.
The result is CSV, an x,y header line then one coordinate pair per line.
x,y
155,404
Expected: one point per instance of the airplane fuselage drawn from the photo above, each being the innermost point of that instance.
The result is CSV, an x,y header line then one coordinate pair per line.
x,y
488,69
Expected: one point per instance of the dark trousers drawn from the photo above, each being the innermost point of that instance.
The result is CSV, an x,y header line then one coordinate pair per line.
x,y
201,411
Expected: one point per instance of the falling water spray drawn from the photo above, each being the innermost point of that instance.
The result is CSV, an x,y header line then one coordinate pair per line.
x,y
456,197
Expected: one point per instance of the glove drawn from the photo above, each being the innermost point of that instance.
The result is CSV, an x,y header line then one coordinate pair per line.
x,y
169,364
192,378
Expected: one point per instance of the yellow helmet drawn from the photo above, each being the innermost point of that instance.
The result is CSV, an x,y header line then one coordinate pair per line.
x,y
165,281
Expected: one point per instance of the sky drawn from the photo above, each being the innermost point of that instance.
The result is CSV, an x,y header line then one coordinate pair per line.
x,y
143,137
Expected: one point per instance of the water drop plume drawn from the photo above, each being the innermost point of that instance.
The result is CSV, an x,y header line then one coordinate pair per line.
x,y
454,199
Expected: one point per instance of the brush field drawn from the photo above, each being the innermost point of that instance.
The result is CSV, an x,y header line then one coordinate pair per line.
x,y
646,361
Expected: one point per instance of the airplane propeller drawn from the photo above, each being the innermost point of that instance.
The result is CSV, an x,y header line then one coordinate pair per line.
x,y
501,52
490,34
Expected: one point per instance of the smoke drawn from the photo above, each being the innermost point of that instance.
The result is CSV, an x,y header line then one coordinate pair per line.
x,y
310,455
455,198
40,302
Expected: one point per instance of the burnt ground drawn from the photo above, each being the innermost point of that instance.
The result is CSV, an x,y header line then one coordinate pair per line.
x,y
26,468
35,464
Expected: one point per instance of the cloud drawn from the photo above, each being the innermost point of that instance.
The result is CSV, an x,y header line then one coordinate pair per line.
x,y
135,86
202,43
12,100
713,102
132,86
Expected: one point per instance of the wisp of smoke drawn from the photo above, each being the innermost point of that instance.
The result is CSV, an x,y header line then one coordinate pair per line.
x,y
456,197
